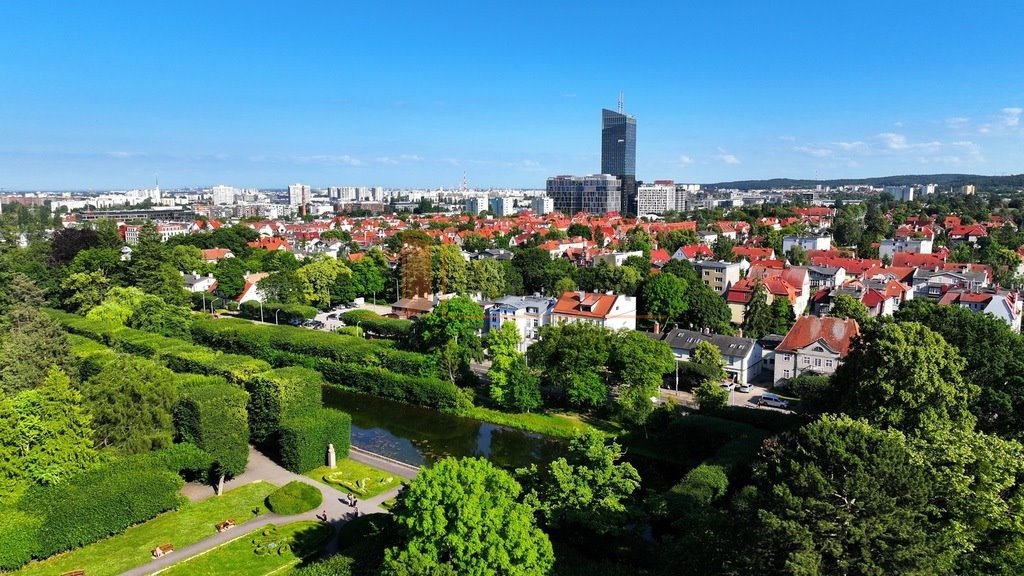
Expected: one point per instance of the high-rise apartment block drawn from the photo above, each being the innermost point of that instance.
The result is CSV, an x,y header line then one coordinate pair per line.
x,y
618,154
298,195
502,206
541,205
223,194
476,204
659,197
595,194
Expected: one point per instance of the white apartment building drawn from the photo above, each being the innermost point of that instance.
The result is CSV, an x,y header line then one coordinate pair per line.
x,y
541,205
611,311
223,194
887,248
529,313
807,242
656,198
298,195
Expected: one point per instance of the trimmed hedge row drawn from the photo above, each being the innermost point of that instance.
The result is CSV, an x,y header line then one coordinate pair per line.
x,y
304,438
18,534
430,392
393,328
284,312
212,415
269,342
98,503
276,394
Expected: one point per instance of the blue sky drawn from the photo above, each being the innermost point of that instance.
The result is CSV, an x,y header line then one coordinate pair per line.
x,y
111,94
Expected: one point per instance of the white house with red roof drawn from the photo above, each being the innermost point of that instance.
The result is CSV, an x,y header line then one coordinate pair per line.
x,y
250,291
814,345
612,311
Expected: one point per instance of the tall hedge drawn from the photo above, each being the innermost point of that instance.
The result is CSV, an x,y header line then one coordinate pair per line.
x,y
99,503
393,328
213,416
430,392
275,394
18,537
304,438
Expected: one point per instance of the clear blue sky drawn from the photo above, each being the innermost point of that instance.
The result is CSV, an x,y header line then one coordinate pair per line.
x,y
111,94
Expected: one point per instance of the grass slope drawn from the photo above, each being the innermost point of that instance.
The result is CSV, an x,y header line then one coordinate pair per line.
x,y
265,551
189,524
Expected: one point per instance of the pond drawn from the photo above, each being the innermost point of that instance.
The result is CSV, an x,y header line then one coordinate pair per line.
x,y
417,435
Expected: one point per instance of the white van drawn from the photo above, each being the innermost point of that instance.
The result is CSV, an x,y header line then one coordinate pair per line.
x,y
769,399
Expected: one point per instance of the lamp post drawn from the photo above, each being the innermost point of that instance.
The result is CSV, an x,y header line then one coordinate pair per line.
x,y
358,333
261,310
276,312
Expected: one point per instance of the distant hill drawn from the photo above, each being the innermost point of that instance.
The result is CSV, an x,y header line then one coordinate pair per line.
x,y
943,180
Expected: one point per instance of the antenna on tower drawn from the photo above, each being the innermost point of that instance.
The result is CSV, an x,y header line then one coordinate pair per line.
x,y
621,106
464,187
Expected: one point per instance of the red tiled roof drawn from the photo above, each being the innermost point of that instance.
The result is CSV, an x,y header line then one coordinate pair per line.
x,y
660,256
215,253
569,304
271,243
836,333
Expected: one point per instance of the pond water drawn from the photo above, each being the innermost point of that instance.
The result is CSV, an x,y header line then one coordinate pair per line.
x,y
417,435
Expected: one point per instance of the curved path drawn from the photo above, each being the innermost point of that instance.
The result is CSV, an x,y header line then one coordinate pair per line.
x,y
262,468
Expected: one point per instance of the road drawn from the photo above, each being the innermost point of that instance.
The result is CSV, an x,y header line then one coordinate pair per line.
x,y
736,398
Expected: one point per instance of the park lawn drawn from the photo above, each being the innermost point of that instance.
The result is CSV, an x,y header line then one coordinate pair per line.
x,y
240,556
186,525
349,472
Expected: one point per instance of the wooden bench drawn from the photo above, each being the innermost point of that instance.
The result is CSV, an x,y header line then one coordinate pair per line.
x,y
226,525
74,573
162,550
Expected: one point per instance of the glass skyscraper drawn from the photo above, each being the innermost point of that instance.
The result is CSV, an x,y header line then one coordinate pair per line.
x,y
618,154
618,144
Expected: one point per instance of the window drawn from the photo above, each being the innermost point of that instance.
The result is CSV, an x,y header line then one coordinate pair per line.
x,y
786,357
817,362
829,363
807,360
785,373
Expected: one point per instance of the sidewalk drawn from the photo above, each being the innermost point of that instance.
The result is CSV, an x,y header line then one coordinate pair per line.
x,y
262,468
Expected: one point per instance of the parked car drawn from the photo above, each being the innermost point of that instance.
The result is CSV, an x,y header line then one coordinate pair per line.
x,y
746,387
769,399
332,316
728,385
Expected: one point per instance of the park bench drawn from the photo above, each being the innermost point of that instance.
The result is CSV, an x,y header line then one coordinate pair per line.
x,y
226,525
74,573
162,550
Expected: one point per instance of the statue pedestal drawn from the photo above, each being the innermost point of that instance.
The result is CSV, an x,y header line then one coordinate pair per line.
x,y
332,459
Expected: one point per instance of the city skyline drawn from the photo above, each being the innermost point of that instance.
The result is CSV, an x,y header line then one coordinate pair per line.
x,y
262,95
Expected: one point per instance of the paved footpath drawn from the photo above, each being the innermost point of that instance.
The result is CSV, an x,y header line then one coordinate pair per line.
x,y
262,468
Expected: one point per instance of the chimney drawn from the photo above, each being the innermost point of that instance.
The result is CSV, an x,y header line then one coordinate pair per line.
x,y
581,295
657,327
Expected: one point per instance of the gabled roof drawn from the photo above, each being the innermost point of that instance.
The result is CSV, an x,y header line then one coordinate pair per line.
x,y
836,333
216,253
680,339
591,305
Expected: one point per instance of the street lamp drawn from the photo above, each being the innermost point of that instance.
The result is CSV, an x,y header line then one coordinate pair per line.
x,y
261,310
276,312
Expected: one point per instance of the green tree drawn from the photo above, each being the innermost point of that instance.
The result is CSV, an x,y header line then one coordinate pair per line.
x,y
230,275
841,497
283,286
449,270
906,377
710,396
723,249
532,265
131,401
572,359
463,517
85,290
187,259
155,315
664,297
758,318
706,309
846,306
782,316
671,241
320,279
487,277
707,355
368,275
513,385
119,305
638,239
31,344
577,229
54,431
638,365
588,488
450,331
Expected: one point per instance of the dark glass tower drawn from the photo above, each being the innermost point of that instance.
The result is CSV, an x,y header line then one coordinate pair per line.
x,y
618,154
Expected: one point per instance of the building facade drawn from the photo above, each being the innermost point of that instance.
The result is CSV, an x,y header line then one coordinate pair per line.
x,y
502,206
611,311
814,346
618,154
541,205
657,198
298,195
719,276
595,194
528,313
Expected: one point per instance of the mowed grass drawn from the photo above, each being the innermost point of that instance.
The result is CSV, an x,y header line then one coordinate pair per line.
x,y
269,549
187,525
350,475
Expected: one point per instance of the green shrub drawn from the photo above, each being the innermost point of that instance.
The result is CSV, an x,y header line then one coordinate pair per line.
x,y
99,503
703,485
212,415
278,393
392,328
276,312
294,497
425,391
304,438
18,535
182,457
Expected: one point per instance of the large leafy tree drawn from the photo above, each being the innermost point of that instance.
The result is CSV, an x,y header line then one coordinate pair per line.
x,y
321,279
283,286
664,297
85,290
464,517
995,362
706,309
846,306
843,497
54,432
709,356
589,487
638,365
449,270
68,242
905,376
30,345
513,385
572,359
131,402
450,332
230,275
487,277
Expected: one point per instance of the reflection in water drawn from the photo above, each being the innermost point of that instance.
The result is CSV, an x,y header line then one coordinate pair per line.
x,y
417,435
